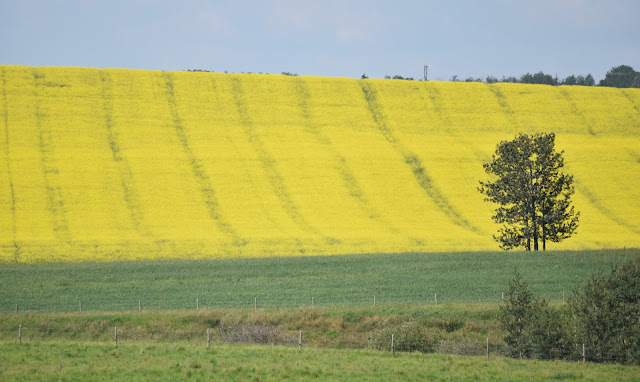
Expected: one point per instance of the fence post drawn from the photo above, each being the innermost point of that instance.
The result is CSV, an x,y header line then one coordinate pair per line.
x,y
116,335
208,337
139,305
502,298
20,334
393,344
197,304
80,304
16,308
436,297
563,297
487,347
313,302
300,341
374,300
255,303
584,358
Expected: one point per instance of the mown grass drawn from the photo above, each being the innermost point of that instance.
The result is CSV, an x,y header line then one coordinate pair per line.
x,y
352,280
169,362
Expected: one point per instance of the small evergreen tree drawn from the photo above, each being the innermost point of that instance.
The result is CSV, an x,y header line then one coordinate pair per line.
x,y
515,314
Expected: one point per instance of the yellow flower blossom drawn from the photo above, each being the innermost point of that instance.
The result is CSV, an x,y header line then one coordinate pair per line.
x,y
102,165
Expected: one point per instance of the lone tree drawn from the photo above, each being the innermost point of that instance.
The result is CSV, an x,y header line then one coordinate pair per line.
x,y
533,195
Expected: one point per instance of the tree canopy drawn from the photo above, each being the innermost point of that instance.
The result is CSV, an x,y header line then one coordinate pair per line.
x,y
532,192
622,76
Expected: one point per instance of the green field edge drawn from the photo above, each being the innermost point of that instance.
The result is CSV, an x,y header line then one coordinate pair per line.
x,y
82,361
292,282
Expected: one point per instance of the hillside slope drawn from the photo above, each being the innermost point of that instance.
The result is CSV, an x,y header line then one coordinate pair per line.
x,y
129,164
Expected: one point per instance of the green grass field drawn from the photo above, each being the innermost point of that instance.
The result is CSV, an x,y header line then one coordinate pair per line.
x,y
170,362
411,278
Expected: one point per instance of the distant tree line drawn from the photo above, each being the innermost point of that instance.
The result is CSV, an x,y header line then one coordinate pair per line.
x,y
622,76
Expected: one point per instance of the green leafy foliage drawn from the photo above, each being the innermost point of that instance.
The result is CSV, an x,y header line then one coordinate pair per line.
x,y
532,192
607,309
622,76
603,316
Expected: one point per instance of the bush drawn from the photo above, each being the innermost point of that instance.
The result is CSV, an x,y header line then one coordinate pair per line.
x,y
607,311
604,315
409,337
534,330
517,316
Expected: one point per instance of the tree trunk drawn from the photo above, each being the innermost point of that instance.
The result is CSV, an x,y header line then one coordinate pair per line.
x,y
544,237
534,225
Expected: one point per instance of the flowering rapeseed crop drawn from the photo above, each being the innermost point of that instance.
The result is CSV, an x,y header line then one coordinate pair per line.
x,y
125,164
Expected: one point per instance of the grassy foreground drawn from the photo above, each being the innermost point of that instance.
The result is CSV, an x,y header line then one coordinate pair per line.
x,y
170,362
411,278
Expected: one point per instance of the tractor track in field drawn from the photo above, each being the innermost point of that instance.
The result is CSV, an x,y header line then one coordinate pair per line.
x,y
627,96
502,101
349,179
434,98
269,164
124,170
55,199
7,141
604,210
202,178
635,106
575,111
412,160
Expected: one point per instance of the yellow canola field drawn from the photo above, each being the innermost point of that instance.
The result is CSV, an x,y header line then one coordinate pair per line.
x,y
102,165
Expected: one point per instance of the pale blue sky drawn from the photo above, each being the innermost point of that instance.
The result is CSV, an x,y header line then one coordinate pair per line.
x,y
326,38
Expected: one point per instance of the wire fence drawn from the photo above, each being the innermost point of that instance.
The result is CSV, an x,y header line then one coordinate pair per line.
x,y
114,336
258,300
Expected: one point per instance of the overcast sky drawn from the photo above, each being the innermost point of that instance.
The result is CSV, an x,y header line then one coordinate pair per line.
x,y
326,38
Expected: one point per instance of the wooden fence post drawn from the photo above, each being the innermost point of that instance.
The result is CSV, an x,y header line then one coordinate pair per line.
x,y
197,304
584,358
502,298
563,297
16,308
436,297
116,335
139,305
300,341
255,303
487,347
374,300
20,334
393,344
80,304
313,302
208,337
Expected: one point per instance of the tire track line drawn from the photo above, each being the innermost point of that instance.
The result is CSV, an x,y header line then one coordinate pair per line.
x,y
502,101
269,164
124,169
55,199
575,111
339,161
411,159
198,170
7,141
